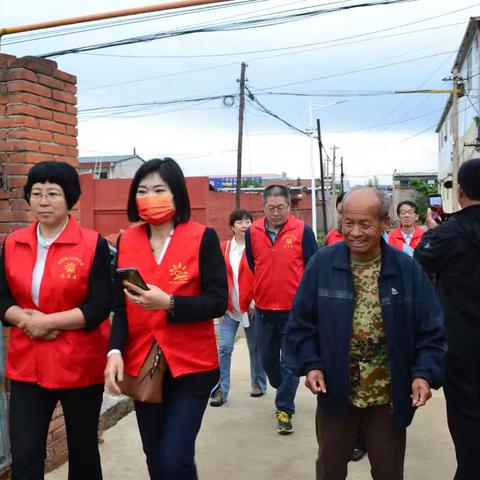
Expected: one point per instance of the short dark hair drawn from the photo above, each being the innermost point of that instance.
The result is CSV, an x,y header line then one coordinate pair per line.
x,y
409,203
469,178
276,191
172,175
339,199
61,173
239,214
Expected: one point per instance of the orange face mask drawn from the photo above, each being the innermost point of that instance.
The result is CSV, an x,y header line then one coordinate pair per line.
x,y
156,209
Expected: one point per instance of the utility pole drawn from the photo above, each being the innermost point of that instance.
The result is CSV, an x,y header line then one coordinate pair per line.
x,y
240,134
312,172
454,129
341,176
333,185
322,181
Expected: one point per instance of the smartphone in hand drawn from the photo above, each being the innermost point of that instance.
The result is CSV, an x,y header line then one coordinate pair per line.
x,y
133,276
436,206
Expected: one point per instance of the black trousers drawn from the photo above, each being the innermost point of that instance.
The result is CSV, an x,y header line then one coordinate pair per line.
x,y
462,393
169,430
31,409
336,437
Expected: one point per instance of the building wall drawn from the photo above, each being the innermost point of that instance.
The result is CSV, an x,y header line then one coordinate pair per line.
x,y
37,122
125,169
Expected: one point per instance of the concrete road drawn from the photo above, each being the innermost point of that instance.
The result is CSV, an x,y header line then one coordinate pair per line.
x,y
238,441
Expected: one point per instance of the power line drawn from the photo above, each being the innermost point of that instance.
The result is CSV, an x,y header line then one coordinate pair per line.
x,y
258,22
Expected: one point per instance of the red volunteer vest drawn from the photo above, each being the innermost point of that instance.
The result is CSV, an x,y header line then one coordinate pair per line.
x,y
245,279
188,347
76,358
334,236
395,237
278,267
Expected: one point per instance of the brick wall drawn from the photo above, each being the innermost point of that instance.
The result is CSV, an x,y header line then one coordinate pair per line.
x,y
37,122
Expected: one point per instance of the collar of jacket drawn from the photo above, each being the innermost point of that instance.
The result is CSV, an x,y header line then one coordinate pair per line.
x,y
342,259
70,236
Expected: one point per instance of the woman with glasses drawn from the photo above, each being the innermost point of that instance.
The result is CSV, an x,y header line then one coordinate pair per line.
x,y
55,293
183,267
408,234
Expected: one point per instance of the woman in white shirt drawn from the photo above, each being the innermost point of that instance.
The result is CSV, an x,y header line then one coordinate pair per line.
x,y
240,311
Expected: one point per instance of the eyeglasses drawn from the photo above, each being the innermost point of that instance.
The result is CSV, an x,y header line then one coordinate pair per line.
x,y
278,208
49,196
407,212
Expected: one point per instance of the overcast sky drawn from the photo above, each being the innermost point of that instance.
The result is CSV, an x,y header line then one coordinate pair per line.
x,y
414,47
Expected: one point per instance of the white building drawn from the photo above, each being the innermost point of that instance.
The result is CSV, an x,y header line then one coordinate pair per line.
x,y
467,62
111,166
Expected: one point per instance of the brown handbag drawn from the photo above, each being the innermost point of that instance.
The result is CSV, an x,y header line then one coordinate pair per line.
x,y
147,385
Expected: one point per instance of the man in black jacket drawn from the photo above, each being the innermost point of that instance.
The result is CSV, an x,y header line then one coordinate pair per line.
x,y
452,251
366,328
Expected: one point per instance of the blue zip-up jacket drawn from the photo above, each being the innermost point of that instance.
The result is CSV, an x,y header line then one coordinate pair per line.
x,y
319,329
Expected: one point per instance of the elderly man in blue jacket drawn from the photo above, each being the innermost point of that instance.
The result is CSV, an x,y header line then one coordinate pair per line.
x,y
366,328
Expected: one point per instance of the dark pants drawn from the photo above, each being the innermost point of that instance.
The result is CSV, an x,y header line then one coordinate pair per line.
x,y
169,431
31,409
271,340
462,393
336,438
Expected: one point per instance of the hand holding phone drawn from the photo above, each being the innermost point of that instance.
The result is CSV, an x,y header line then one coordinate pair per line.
x,y
131,275
436,207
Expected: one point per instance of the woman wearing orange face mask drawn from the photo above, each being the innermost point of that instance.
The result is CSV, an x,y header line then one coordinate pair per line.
x,y
184,269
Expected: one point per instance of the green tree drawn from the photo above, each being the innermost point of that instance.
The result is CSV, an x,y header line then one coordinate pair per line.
x,y
373,182
423,190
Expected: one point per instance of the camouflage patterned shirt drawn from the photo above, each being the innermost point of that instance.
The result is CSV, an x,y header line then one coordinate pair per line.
x,y
369,366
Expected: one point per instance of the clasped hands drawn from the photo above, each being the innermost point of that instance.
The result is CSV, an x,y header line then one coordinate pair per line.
x,y
153,299
33,325
421,393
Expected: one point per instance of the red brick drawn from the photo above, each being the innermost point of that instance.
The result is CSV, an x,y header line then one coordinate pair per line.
x,y
16,216
15,145
3,94
64,118
5,228
30,110
65,140
52,126
3,110
72,131
18,121
39,65
3,134
17,74
53,148
16,181
29,157
70,88
6,60
51,104
4,204
29,98
20,204
72,110
66,77
64,97
72,151
31,87
30,134
15,169
50,81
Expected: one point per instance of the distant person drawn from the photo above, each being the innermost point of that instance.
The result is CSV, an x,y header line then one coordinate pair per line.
x,y
408,234
278,246
366,328
452,252
241,311
335,235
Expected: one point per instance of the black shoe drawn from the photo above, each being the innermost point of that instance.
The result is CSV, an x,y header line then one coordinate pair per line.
x,y
257,392
358,454
217,399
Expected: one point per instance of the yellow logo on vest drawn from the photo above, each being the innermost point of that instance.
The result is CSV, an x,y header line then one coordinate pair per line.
x,y
178,273
289,240
70,265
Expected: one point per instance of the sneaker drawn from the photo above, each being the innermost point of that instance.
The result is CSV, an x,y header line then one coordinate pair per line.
x,y
217,398
284,420
358,454
257,392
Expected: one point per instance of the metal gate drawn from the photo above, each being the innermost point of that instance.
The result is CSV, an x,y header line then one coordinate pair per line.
x,y
4,445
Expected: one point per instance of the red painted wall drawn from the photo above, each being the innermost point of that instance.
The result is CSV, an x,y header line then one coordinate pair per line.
x,y
103,205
